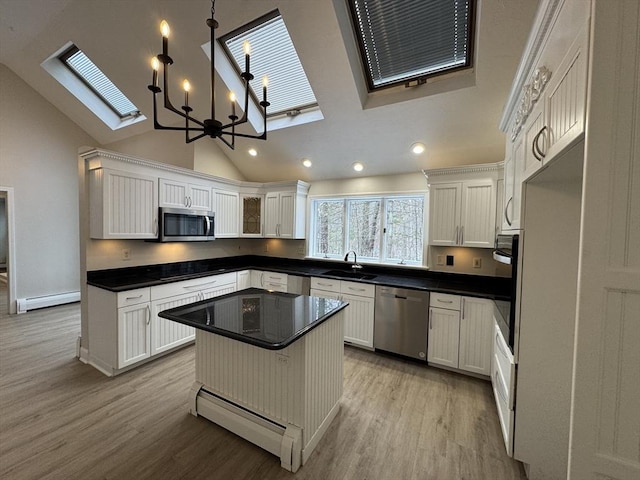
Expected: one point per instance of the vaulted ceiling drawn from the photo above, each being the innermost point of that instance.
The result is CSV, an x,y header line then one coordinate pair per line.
x,y
455,116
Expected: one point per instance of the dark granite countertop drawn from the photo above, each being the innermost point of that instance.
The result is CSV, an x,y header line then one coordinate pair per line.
x,y
263,318
122,279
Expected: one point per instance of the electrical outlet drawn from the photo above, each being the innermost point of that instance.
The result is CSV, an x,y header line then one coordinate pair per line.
x,y
126,254
440,260
450,260
477,262
301,250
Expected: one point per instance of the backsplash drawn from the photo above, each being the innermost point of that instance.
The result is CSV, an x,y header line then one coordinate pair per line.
x,y
463,261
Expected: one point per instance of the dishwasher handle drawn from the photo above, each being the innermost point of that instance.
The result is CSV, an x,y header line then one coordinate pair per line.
x,y
400,297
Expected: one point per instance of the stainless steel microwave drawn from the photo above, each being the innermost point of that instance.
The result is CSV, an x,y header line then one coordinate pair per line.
x,y
186,225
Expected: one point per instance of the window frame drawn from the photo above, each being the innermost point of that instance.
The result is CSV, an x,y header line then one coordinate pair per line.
x,y
414,79
382,229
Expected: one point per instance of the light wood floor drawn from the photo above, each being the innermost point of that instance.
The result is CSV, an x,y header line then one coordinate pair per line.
x,y
61,419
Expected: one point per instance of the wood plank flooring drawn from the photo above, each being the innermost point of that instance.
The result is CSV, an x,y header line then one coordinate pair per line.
x,y
61,419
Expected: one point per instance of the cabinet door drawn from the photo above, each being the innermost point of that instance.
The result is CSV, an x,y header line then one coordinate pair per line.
x,y
566,94
477,224
243,279
443,337
200,197
173,193
271,214
444,218
358,320
227,206
287,214
476,335
167,334
252,215
535,138
123,205
134,340
509,180
512,210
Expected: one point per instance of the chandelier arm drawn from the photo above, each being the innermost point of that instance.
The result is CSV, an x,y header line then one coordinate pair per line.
x,y
233,140
245,135
158,126
189,140
167,103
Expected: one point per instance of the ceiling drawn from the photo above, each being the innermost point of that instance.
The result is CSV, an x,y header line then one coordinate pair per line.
x,y
455,116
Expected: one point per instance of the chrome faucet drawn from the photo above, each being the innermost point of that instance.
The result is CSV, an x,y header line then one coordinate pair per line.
x,y
355,259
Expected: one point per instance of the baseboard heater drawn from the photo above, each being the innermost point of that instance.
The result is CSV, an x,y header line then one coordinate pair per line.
x,y
284,441
26,304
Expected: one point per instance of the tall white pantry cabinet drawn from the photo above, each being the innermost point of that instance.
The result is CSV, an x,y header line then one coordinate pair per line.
x,y
583,128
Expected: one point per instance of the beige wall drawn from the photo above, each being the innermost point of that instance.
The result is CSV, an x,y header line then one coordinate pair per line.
x,y
38,158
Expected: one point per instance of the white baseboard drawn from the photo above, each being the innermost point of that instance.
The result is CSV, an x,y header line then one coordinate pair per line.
x,y
26,304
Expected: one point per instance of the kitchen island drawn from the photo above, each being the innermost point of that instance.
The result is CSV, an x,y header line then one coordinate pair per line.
x,y
269,367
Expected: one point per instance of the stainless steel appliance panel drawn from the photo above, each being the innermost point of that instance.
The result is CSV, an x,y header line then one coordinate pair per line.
x,y
400,321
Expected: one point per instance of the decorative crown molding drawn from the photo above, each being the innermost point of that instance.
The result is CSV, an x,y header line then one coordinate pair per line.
x,y
463,169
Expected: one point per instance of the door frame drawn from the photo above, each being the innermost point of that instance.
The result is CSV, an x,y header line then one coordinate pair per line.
x,y
11,254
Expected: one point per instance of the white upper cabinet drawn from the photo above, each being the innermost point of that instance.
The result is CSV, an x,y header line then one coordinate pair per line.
x,y
463,213
227,211
178,194
123,205
252,219
545,112
285,212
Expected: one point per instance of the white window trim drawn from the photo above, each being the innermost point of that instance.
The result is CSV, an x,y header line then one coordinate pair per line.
x,y
54,66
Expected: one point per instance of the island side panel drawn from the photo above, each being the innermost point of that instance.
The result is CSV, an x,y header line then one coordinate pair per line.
x,y
324,362
269,382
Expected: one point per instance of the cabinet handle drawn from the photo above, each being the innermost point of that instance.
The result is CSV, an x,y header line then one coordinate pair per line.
x,y
133,298
462,235
506,211
463,309
360,290
148,314
430,319
444,301
535,147
155,226
325,284
191,287
456,239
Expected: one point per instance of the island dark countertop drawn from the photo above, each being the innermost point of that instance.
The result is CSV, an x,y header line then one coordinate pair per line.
x,y
266,319
122,279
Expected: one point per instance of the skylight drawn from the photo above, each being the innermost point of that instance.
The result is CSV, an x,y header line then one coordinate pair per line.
x,y
92,76
274,56
411,40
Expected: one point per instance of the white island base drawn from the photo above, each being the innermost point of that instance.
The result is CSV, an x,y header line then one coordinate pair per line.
x,y
281,400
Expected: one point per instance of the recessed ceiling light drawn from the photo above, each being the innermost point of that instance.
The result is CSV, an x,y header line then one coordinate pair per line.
x,y
418,148
253,152
358,167
307,163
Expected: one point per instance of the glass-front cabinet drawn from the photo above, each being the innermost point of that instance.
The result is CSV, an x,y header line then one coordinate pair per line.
x,y
252,215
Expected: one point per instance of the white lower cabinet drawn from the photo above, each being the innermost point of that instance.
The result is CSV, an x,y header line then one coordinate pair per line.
x,y
243,279
134,339
359,315
269,280
460,333
138,333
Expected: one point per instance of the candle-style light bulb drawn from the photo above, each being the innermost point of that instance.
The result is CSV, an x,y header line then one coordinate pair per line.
x,y
232,97
187,86
265,84
155,65
247,52
164,29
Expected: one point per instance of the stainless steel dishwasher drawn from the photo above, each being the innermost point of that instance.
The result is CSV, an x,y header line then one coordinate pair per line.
x,y
400,321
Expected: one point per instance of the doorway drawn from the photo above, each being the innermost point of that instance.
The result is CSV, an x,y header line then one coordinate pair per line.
x,y
7,251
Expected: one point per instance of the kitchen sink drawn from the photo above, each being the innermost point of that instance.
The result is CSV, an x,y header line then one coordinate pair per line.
x,y
349,274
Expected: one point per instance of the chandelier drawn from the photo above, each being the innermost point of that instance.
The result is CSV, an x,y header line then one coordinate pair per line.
x,y
211,127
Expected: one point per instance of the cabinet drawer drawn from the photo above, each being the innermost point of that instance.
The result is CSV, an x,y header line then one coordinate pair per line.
x,y
360,289
193,285
445,300
274,277
326,284
504,363
133,297
505,413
